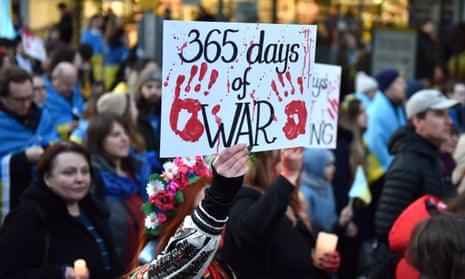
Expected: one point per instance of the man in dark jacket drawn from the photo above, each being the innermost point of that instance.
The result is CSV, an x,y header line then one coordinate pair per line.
x,y
415,170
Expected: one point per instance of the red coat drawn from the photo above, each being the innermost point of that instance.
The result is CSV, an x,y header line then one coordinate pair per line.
x,y
400,233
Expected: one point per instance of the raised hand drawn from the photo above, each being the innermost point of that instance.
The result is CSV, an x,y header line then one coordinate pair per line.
x,y
291,163
233,161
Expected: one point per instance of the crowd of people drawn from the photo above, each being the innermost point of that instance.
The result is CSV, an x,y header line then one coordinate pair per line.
x,y
81,177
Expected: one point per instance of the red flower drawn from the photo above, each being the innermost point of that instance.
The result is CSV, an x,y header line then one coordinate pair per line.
x,y
182,180
163,200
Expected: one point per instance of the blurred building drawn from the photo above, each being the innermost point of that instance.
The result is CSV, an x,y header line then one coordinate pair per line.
x,y
40,14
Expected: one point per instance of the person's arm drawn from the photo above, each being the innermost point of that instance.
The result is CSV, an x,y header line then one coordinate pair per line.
x,y
191,248
22,249
255,217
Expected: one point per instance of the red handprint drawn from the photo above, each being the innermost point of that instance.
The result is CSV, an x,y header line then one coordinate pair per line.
x,y
193,128
333,107
295,109
203,71
281,81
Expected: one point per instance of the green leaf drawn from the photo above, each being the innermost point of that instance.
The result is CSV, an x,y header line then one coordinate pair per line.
x,y
193,179
156,176
148,208
179,197
171,213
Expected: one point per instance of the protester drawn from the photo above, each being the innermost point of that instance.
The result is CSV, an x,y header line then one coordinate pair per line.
x,y
25,131
120,180
429,126
437,245
319,167
39,89
92,36
269,227
206,218
351,153
64,101
459,171
447,149
148,100
366,88
65,25
385,115
58,222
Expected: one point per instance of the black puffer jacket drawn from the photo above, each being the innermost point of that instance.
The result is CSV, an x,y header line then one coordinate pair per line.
x,y
414,172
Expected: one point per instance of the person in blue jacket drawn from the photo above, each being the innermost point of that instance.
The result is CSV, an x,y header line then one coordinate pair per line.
x,y
64,101
25,131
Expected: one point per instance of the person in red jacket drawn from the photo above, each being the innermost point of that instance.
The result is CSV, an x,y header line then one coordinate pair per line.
x,y
400,233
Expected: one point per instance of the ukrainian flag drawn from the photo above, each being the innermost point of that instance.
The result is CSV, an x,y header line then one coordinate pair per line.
x,y
6,25
360,187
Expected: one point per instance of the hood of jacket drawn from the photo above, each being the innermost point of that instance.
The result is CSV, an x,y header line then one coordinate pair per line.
x,y
318,184
406,140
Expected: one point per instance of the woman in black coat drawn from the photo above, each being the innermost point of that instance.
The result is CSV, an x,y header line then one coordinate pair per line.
x,y
269,234
58,222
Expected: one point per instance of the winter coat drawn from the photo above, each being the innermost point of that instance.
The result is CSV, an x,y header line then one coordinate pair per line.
x,y
39,238
16,134
318,191
414,172
260,242
384,118
399,236
124,197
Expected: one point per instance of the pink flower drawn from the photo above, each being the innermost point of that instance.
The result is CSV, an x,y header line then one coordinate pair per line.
x,y
172,187
161,217
182,180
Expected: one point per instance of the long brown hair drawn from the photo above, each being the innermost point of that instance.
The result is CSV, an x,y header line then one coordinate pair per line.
x,y
262,173
436,247
348,114
168,228
258,175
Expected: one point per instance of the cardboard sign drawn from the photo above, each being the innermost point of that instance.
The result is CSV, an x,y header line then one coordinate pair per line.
x,y
324,105
33,45
228,83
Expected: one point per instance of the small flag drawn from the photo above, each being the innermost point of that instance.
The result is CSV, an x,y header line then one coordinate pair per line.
x,y
359,188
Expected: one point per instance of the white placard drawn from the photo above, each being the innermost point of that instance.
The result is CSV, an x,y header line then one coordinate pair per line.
x,y
228,83
33,45
324,105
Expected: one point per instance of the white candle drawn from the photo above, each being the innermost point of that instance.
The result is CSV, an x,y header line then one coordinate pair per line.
x,y
325,242
80,267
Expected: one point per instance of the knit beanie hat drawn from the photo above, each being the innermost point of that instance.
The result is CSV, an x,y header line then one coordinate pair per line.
x,y
150,73
112,102
386,77
364,82
414,86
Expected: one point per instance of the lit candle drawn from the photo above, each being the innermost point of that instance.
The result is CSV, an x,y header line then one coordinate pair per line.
x,y
325,242
80,267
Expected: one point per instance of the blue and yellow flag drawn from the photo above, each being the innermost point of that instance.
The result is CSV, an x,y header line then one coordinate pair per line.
x,y
6,24
360,188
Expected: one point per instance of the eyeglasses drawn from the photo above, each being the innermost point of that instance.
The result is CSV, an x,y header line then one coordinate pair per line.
x,y
41,88
21,99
